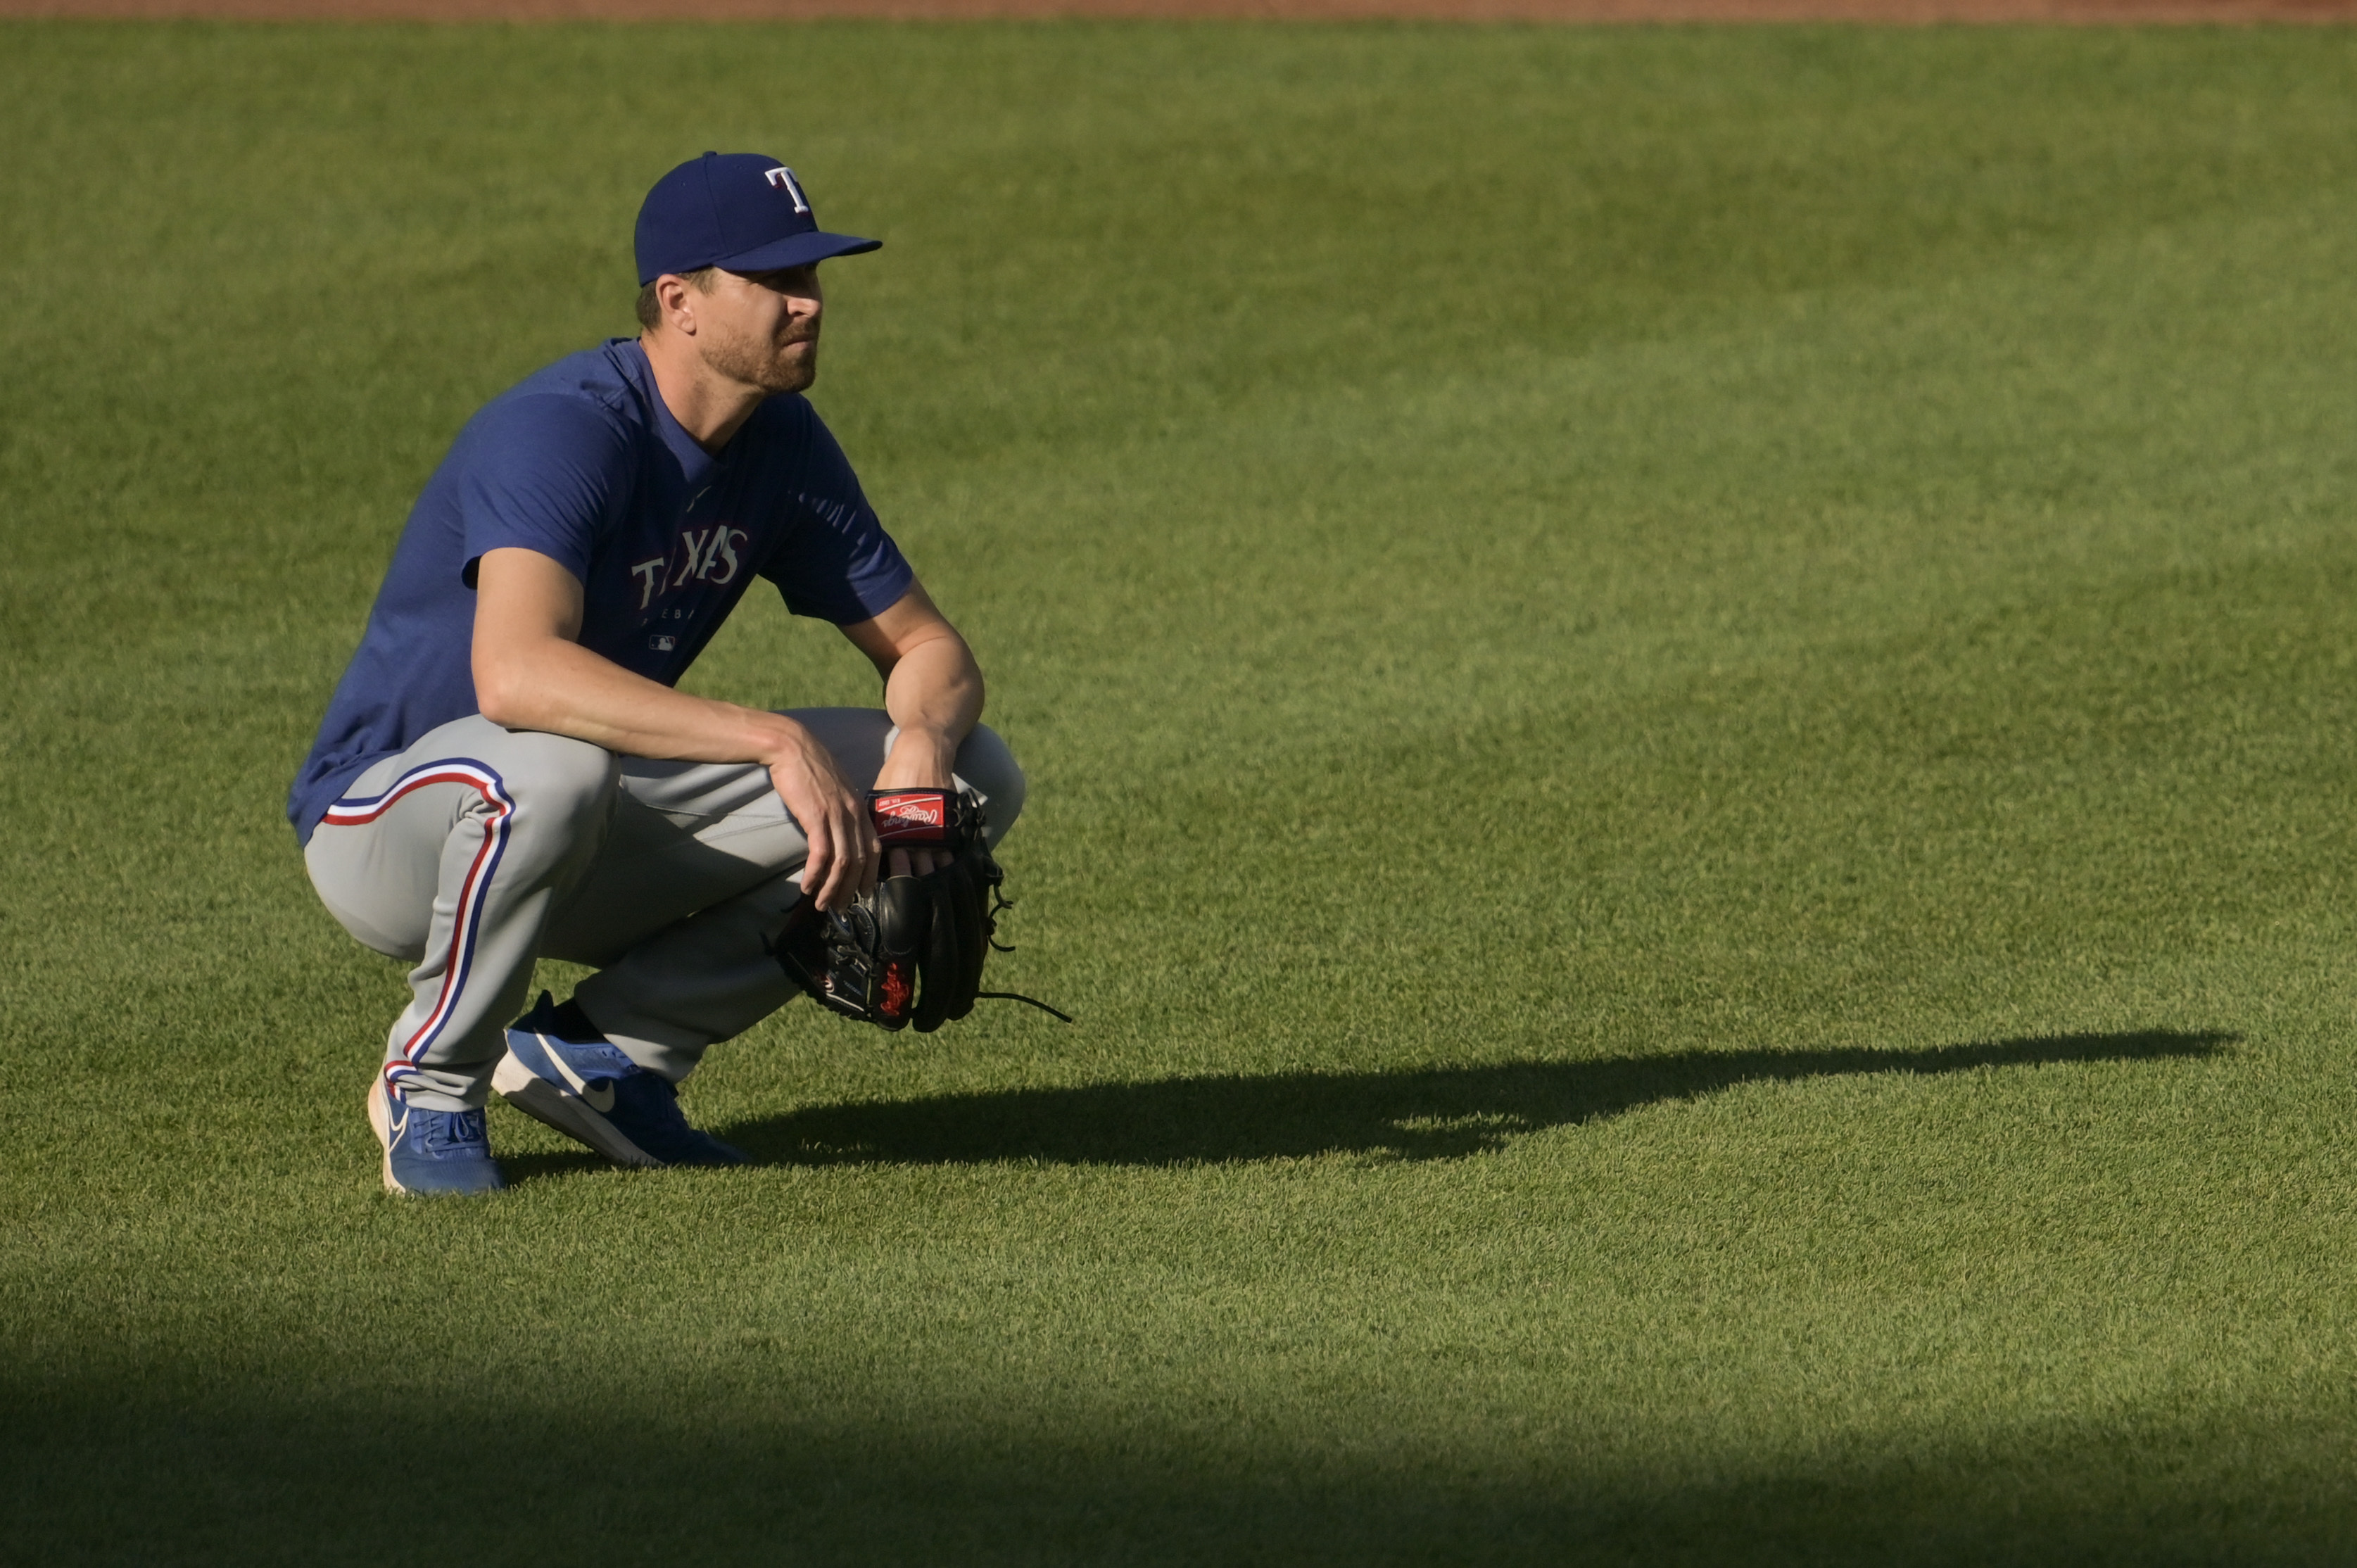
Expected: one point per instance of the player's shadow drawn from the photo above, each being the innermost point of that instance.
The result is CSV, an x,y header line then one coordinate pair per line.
x,y
1436,1114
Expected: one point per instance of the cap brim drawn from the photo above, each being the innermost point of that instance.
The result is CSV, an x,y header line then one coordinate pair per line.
x,y
797,251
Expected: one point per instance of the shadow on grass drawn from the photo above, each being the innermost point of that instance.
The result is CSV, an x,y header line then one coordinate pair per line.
x,y
754,1465
1436,1114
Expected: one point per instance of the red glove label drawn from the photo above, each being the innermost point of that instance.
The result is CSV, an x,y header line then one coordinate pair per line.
x,y
910,816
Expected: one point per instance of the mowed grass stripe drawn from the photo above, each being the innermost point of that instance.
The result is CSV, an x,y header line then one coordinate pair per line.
x,y
1686,693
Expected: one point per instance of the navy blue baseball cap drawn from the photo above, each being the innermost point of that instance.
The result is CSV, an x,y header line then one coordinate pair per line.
x,y
738,210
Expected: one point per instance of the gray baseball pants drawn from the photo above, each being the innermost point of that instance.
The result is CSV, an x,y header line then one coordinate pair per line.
x,y
479,850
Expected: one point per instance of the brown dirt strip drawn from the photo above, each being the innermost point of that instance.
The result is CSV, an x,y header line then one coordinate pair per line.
x,y
1897,12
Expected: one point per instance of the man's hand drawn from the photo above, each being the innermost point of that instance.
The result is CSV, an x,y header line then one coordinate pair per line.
x,y
842,850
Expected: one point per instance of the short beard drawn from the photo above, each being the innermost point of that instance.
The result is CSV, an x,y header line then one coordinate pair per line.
x,y
759,364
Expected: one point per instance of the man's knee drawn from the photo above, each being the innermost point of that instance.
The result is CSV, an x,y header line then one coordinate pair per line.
x,y
558,784
984,762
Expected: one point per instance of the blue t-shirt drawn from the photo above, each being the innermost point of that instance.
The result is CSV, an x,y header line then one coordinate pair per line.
x,y
585,463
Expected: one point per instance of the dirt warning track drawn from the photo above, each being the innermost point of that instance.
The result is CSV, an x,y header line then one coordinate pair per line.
x,y
1624,12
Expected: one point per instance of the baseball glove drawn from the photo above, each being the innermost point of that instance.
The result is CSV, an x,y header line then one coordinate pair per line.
x,y
910,952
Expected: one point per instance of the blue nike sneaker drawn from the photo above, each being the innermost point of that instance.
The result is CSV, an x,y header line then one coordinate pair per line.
x,y
432,1152
587,1089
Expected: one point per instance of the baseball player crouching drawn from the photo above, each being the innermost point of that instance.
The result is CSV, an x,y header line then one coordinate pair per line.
x,y
506,772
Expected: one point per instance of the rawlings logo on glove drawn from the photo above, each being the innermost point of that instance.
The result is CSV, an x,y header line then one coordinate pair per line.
x,y
912,950
920,817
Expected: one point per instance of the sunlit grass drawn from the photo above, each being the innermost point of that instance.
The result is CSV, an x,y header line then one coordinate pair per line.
x,y
1689,697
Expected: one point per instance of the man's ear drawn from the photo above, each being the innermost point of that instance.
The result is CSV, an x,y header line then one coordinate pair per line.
x,y
675,298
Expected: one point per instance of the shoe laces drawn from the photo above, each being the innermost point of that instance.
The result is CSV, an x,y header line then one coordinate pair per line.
x,y
455,1133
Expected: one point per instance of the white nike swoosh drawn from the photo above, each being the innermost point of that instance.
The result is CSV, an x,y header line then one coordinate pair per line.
x,y
599,1099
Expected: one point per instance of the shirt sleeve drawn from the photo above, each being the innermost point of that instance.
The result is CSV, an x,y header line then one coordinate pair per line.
x,y
539,473
835,562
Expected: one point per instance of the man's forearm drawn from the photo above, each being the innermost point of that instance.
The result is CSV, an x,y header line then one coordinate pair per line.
x,y
935,694
564,689
530,674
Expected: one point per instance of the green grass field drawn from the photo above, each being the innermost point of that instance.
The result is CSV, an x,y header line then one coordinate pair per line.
x,y
1689,695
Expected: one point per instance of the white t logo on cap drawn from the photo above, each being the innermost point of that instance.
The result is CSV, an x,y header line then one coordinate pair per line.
x,y
783,179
